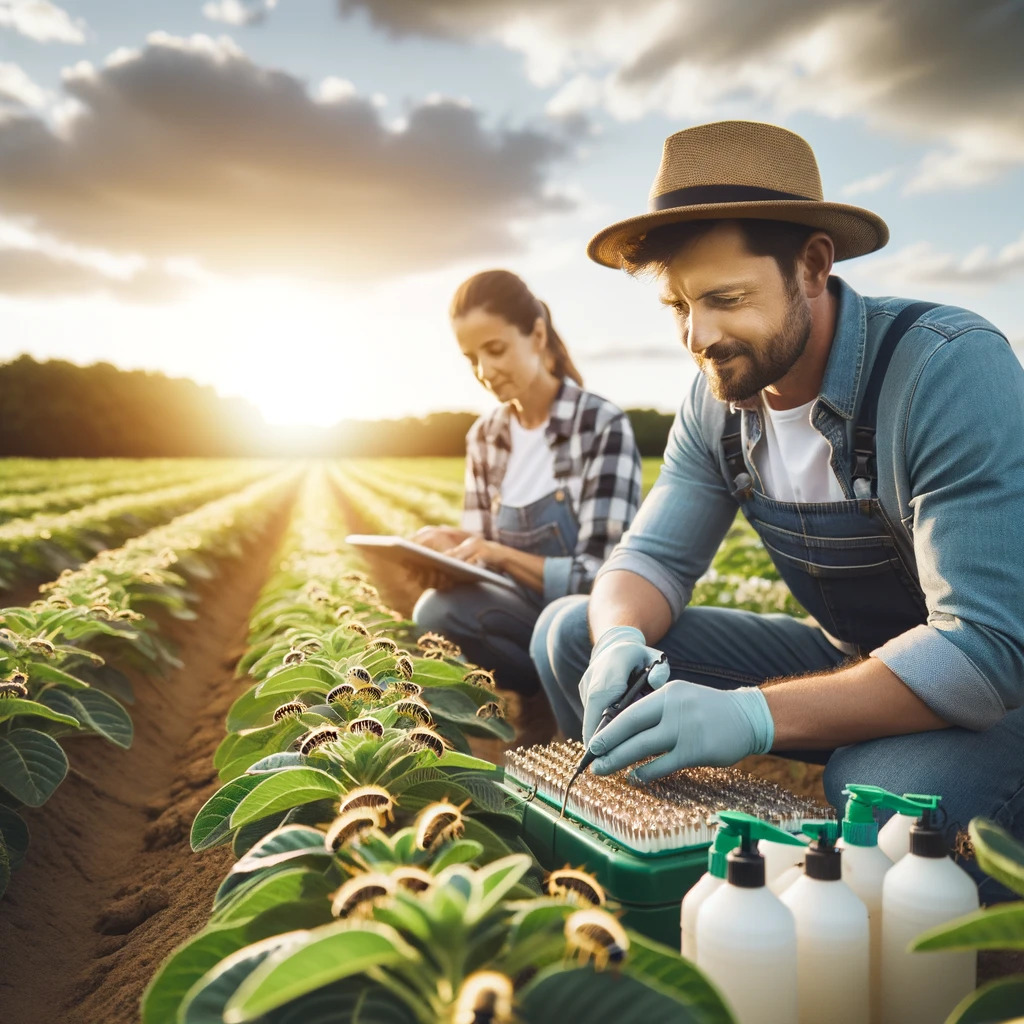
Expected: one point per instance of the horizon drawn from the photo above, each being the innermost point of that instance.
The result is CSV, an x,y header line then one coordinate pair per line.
x,y
277,200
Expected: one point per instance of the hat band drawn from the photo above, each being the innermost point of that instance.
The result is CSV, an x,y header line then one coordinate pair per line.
x,y
699,195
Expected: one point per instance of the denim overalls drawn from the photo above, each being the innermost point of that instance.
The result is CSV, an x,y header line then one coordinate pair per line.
x,y
493,624
840,559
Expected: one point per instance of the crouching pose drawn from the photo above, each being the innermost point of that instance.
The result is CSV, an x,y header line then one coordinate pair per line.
x,y
552,482
873,444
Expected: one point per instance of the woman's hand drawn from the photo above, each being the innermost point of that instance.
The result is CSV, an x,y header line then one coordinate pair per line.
x,y
477,551
439,538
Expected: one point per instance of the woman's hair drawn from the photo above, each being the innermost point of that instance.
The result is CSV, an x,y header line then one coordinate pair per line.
x,y
502,293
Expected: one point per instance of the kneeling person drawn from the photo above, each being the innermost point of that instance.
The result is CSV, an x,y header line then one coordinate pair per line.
x,y
871,443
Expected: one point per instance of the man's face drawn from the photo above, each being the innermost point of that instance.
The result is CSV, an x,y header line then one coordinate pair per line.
x,y
743,323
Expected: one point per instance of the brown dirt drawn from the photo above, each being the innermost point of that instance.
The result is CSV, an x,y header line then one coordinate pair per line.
x,y
110,886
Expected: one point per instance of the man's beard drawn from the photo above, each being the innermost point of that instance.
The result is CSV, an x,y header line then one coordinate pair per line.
x,y
763,365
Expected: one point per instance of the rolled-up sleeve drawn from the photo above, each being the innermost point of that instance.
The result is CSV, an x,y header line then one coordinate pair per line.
x,y
688,511
610,492
965,459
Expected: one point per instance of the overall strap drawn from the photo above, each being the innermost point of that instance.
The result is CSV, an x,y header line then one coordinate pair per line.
x,y
864,465
732,450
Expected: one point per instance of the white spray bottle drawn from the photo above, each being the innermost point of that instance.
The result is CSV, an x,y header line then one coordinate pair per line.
x,y
746,937
894,836
865,866
726,839
924,890
832,935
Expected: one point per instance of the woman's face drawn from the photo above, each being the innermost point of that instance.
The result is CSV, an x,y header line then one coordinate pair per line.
x,y
506,361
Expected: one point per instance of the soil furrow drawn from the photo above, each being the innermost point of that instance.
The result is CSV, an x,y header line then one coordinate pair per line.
x,y
110,885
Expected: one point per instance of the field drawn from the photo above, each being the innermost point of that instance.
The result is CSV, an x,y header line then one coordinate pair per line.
x,y
167,626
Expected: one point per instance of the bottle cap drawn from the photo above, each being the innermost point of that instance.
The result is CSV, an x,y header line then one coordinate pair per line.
x,y
745,866
823,861
926,838
859,825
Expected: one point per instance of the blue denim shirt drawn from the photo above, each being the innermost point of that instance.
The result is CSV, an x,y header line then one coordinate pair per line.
x,y
950,456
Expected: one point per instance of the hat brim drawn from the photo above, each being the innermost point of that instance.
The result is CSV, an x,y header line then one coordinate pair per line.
x,y
854,231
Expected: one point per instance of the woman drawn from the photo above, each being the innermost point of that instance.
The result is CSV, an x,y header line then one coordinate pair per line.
x,y
552,482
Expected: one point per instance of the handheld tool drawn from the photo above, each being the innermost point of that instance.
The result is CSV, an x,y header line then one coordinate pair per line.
x,y
637,686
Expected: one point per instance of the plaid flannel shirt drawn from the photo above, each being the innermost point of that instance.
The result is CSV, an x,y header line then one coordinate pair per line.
x,y
595,459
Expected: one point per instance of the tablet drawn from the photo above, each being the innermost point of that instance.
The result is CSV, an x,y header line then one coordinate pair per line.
x,y
405,552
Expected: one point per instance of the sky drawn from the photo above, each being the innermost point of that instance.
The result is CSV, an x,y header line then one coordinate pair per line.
x,y
278,199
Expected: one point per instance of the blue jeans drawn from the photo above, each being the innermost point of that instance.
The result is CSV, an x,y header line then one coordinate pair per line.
x,y
976,773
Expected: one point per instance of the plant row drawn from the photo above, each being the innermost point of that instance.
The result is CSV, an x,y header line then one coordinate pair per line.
x,y
380,873
56,676
133,478
50,542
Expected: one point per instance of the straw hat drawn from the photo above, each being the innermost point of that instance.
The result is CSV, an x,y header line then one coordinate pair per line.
x,y
741,169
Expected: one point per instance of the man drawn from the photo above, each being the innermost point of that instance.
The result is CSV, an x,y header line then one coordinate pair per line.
x,y
873,444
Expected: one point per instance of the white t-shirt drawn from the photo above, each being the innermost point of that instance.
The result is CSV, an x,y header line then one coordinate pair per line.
x,y
530,472
794,459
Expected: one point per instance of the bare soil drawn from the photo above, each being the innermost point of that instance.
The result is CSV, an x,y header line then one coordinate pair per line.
x,y
110,885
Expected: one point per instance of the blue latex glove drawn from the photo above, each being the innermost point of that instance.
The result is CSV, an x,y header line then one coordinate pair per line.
x,y
687,724
617,652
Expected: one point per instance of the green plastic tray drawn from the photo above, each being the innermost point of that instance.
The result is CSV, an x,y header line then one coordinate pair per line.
x,y
649,888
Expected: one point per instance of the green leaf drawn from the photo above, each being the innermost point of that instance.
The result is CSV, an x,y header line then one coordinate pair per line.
x,y
499,877
205,1001
284,790
240,751
461,851
184,967
284,843
284,887
40,671
249,711
32,765
15,706
453,759
15,834
213,822
998,927
664,968
97,710
327,954
558,994
296,680
998,1001
999,854
353,1000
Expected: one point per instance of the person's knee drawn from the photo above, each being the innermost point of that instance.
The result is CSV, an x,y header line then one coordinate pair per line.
x,y
545,628
437,612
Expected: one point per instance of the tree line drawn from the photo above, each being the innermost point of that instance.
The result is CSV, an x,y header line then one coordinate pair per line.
x,y
57,409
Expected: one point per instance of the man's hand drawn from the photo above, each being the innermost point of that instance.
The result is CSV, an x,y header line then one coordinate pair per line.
x,y
688,725
617,652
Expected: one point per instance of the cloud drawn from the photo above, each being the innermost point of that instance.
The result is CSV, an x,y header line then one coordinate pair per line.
x,y
187,148
16,86
922,263
42,21
939,71
34,273
641,352
235,12
872,183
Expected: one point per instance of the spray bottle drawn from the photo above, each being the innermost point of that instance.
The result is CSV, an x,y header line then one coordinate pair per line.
x,y
783,863
832,934
924,890
865,865
894,836
726,839
746,937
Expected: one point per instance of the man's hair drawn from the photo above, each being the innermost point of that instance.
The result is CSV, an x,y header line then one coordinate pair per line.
x,y
653,252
